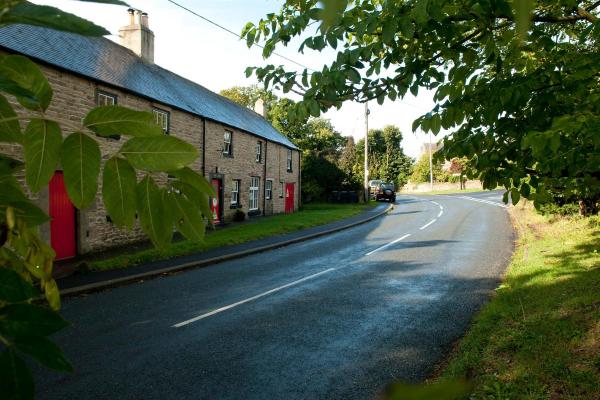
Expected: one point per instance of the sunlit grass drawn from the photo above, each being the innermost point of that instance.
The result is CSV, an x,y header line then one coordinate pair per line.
x,y
310,215
539,337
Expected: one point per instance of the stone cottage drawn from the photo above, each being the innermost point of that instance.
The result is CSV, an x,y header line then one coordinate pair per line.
x,y
253,167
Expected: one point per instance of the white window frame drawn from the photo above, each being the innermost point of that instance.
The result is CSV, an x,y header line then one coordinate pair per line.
x,y
254,193
269,189
235,192
280,189
161,118
289,160
227,141
258,151
105,99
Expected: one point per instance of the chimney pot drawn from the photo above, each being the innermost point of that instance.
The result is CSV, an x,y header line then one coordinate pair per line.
x,y
260,108
137,36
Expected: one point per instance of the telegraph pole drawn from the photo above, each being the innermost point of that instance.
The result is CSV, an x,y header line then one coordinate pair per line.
x,y
430,165
366,182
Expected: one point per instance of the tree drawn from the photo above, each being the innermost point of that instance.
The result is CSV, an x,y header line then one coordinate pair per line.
x,y
247,96
26,261
387,160
517,82
420,171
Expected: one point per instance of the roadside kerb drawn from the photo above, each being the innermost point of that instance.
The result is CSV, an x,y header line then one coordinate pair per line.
x,y
93,287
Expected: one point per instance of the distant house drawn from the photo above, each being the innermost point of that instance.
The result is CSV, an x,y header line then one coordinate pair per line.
x,y
253,167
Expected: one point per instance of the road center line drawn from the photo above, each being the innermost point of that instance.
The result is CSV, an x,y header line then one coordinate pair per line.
x,y
427,224
440,213
388,245
249,299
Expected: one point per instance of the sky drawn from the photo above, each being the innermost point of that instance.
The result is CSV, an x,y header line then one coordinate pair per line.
x,y
215,59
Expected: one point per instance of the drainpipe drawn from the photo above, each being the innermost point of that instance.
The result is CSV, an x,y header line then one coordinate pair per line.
x,y
299,180
204,147
265,181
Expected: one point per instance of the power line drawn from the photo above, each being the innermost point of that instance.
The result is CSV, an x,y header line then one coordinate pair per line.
x,y
233,33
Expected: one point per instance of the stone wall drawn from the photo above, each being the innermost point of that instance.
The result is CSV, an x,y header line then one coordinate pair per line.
x,y
426,187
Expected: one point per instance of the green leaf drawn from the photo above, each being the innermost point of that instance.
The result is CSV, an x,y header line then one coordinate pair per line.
x,y
17,382
52,294
80,159
29,77
28,212
155,217
29,320
188,219
436,124
522,10
117,120
118,191
10,131
42,150
196,197
45,352
13,288
515,196
161,153
51,17
193,178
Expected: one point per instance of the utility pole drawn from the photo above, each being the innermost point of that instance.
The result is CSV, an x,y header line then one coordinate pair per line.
x,y
366,182
430,165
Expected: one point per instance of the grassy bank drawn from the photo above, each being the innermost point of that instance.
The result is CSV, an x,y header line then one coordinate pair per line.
x,y
539,337
310,215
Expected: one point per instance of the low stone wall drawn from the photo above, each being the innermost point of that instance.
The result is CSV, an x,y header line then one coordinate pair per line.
x,y
426,187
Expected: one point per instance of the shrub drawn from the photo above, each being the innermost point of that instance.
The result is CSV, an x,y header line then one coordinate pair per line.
x,y
239,216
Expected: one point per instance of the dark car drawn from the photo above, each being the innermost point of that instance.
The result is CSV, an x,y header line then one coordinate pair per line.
x,y
385,191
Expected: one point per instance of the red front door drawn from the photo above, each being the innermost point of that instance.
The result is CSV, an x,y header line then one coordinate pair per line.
x,y
289,198
215,203
62,225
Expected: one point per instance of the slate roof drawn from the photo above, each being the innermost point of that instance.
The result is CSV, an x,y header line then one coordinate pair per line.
x,y
103,60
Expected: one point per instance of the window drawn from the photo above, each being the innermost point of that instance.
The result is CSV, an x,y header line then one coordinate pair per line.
x,y
268,189
258,151
227,140
254,187
281,189
161,118
289,161
105,99
235,192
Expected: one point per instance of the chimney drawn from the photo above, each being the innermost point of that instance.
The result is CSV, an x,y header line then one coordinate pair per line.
x,y
261,108
137,36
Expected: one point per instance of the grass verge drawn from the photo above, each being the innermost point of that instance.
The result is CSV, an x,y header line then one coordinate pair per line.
x,y
539,337
309,216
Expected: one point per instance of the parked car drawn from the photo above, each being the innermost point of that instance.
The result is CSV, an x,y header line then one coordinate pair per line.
x,y
373,186
385,191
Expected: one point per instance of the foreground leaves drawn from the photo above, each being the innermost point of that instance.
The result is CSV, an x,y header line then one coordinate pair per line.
x,y
33,90
161,153
155,216
118,191
42,142
80,159
117,120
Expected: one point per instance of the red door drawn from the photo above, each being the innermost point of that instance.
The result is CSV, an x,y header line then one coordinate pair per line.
x,y
215,203
289,198
62,225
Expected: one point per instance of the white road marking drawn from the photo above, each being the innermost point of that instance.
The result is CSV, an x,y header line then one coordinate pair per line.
x,y
493,203
258,296
436,203
427,224
388,245
440,213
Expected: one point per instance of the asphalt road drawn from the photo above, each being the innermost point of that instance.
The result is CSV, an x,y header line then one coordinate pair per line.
x,y
335,317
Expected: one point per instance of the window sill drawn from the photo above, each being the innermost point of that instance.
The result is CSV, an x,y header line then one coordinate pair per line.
x,y
227,155
253,213
235,206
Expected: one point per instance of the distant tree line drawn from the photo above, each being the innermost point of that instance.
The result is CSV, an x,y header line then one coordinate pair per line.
x,y
330,161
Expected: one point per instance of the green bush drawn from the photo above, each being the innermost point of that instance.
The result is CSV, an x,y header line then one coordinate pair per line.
x,y
556,209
